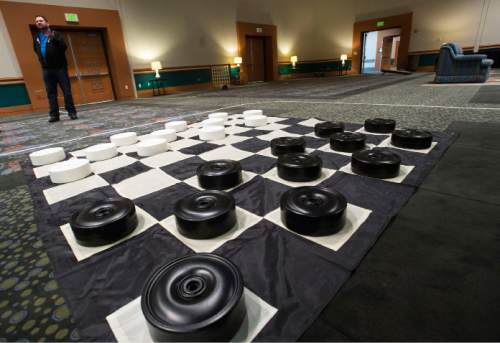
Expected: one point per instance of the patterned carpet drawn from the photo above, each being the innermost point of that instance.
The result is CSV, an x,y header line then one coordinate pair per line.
x,y
31,306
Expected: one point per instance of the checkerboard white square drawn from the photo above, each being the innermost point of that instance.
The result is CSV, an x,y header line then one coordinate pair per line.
x,y
127,148
183,143
404,171
267,152
245,175
230,139
327,148
225,152
273,175
164,159
245,220
234,130
275,119
355,217
68,190
386,143
79,153
190,132
129,325
311,122
43,171
117,162
363,131
276,134
145,183
145,221
272,127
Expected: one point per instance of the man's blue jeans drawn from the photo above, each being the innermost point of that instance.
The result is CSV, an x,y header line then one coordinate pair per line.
x,y
52,78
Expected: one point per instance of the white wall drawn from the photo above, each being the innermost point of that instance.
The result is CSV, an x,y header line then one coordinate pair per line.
x,y
8,61
194,32
491,32
438,21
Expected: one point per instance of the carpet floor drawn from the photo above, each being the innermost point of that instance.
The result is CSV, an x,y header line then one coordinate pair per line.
x,y
431,276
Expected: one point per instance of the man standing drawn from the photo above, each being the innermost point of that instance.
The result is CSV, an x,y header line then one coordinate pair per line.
x,y
50,47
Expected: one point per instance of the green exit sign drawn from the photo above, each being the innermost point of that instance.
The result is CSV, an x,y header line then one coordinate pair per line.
x,y
380,23
71,17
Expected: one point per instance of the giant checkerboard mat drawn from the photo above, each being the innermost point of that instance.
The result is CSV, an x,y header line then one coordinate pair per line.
x,y
294,274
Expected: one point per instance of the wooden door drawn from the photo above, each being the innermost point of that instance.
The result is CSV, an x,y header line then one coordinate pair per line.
x,y
396,53
256,59
90,66
386,52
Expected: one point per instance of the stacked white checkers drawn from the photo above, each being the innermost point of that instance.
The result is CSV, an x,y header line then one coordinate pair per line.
x,y
213,128
254,118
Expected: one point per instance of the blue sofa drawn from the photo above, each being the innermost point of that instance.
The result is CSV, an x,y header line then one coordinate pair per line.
x,y
453,66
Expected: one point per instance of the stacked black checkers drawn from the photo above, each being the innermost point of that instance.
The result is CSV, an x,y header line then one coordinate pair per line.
x,y
205,214
328,128
379,163
198,298
287,145
104,222
380,125
313,211
299,167
347,141
411,139
219,174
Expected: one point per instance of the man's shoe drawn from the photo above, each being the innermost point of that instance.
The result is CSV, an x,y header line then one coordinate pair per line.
x,y
53,119
72,116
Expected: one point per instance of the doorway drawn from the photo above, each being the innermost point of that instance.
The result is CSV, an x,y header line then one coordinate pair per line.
x,y
258,47
400,22
88,67
380,51
256,59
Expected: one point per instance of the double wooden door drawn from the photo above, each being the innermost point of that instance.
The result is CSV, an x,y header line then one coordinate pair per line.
x,y
87,67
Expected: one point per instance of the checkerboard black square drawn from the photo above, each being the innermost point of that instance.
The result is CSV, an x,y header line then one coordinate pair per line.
x,y
252,132
259,188
160,204
258,164
315,143
332,160
120,174
199,148
298,129
183,169
252,145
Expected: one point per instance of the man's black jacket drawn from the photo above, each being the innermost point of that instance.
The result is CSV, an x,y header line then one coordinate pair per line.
x,y
54,51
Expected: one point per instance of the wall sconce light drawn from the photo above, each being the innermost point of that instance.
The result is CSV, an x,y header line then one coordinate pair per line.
x,y
156,65
238,60
343,58
294,61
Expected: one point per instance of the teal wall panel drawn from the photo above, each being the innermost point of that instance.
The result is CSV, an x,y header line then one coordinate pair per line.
x,y
426,60
313,67
174,78
13,95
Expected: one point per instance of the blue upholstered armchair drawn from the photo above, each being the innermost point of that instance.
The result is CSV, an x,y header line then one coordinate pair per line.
x,y
454,66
